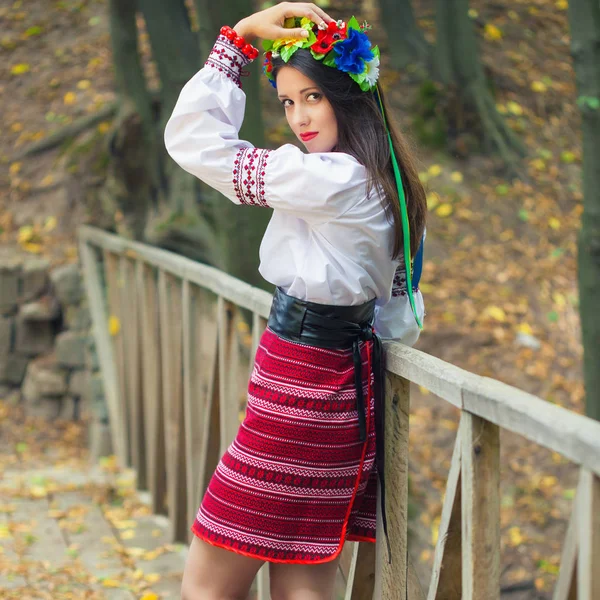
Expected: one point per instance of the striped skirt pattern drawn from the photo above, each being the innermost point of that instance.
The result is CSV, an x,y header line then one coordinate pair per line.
x,y
297,481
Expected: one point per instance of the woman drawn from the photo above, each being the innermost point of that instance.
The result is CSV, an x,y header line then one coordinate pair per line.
x,y
301,476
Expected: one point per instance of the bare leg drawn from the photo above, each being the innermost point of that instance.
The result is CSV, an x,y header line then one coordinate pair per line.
x,y
303,582
213,573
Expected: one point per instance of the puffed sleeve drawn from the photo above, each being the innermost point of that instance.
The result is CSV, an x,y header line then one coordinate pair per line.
x,y
394,319
202,137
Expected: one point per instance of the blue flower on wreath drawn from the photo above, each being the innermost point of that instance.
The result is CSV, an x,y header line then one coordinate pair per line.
x,y
353,52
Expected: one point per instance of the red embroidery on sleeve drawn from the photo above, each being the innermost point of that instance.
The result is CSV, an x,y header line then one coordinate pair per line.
x,y
249,168
227,58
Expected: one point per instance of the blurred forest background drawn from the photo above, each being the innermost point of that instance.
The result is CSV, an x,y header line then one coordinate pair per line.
x,y
485,90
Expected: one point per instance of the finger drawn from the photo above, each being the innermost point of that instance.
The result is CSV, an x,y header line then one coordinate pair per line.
x,y
322,13
301,10
282,32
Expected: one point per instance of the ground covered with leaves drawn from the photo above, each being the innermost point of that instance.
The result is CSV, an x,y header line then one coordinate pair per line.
x,y
499,278
71,530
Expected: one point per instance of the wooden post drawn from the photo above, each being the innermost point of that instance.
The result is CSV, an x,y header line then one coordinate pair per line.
x,y
104,347
360,576
172,358
152,386
446,583
114,283
588,559
199,359
133,374
480,490
391,579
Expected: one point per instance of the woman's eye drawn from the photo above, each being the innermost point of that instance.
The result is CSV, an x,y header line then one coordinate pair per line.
x,y
283,102
315,94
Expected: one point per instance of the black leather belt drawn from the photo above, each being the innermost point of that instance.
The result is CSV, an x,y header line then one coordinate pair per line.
x,y
338,327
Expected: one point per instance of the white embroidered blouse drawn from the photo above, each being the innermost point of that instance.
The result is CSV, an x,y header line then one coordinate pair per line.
x,y
328,241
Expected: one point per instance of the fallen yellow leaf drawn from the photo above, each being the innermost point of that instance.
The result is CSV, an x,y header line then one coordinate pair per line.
x,y
525,328
70,98
114,325
84,84
456,176
539,87
149,596
434,170
492,32
496,313
50,224
33,248
444,210
554,223
20,69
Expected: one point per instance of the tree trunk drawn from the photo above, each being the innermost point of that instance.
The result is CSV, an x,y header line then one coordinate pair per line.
x,y
406,43
133,141
584,16
457,64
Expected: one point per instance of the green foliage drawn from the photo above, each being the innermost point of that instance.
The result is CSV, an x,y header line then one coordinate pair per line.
x,y
590,102
428,124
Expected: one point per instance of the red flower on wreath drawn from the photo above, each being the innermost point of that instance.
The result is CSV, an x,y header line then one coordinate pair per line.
x,y
327,37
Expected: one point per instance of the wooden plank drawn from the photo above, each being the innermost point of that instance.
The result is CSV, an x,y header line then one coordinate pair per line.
x,y
391,579
229,422
232,289
154,435
170,311
361,571
263,583
575,436
566,583
104,348
588,558
480,508
445,583
200,356
114,283
133,369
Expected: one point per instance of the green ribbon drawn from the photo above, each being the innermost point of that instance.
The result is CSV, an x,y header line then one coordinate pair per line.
x,y
404,214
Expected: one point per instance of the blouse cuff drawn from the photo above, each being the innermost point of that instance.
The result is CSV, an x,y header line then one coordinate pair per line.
x,y
227,58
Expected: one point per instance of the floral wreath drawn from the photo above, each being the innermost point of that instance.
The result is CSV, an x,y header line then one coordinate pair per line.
x,y
345,47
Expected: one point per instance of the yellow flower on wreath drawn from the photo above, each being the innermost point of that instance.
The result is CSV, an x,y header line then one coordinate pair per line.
x,y
290,23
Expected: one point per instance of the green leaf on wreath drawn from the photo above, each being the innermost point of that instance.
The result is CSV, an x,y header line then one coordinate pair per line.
x,y
353,24
317,55
330,59
267,45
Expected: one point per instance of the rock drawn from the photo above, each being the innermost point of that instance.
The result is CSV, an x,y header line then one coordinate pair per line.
x,y
70,349
529,341
79,384
45,408
44,378
34,337
12,368
6,336
4,390
67,284
34,278
98,404
78,317
67,408
9,284
46,308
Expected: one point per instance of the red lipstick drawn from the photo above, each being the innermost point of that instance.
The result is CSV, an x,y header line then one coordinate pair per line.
x,y
309,135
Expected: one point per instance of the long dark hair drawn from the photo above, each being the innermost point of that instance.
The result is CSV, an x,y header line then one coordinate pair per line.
x,y
361,133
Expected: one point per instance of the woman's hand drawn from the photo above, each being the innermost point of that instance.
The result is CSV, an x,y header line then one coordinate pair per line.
x,y
268,24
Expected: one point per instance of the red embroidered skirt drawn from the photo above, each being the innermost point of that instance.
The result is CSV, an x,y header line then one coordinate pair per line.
x,y
297,481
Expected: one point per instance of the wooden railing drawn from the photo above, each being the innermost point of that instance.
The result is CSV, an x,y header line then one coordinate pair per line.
x,y
168,331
